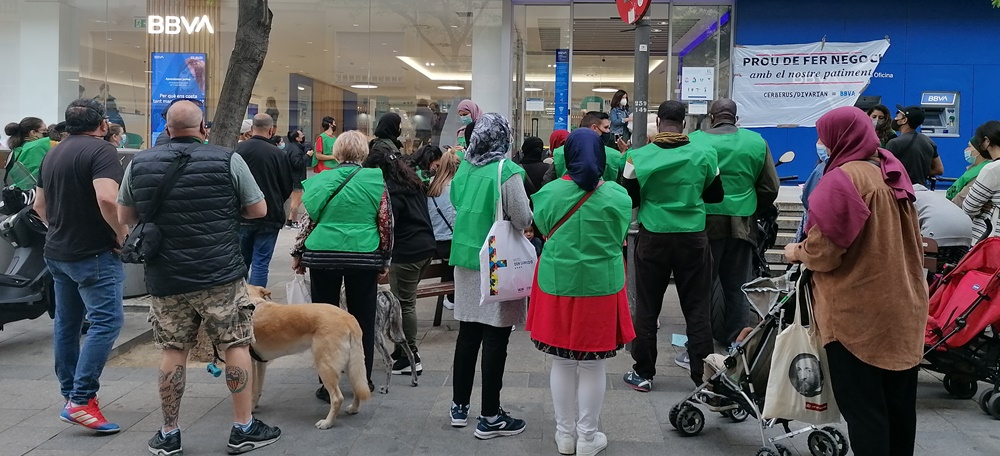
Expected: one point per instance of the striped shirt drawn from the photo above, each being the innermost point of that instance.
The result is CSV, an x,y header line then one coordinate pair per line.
x,y
983,200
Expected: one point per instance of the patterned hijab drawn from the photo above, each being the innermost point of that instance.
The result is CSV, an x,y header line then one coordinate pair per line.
x,y
490,141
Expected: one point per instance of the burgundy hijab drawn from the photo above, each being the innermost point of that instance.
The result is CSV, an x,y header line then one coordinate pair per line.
x,y
557,139
835,206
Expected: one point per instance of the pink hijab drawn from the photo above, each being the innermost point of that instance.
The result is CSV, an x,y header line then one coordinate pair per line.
x,y
473,109
835,206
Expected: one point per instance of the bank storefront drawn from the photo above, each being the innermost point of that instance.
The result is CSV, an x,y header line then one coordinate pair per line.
x,y
543,63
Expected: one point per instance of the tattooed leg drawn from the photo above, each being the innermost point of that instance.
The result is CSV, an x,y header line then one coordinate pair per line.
x,y
238,378
171,386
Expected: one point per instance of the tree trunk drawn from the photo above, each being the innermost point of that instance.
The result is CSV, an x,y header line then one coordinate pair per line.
x,y
252,33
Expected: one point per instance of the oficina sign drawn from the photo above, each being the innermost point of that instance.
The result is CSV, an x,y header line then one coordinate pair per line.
x,y
174,25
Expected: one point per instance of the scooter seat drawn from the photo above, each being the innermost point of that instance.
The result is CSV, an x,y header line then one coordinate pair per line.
x,y
13,280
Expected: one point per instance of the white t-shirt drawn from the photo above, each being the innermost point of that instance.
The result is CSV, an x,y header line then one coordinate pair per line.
x,y
942,220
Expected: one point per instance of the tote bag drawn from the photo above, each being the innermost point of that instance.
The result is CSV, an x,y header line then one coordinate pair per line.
x,y
507,258
297,291
798,387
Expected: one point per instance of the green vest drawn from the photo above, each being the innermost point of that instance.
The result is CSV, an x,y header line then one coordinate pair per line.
x,y
970,175
741,158
612,157
584,258
327,150
671,182
350,222
474,193
31,154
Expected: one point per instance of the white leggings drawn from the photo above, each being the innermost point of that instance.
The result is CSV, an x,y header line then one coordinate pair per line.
x,y
577,393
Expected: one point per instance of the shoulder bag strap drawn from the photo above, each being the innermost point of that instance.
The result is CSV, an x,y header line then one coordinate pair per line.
x,y
335,192
170,177
441,213
575,208
499,215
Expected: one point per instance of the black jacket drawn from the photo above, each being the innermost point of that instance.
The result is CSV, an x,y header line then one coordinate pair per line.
x,y
199,218
413,234
272,172
298,162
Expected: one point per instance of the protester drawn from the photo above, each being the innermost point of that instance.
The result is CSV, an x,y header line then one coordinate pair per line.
x,y
442,214
198,274
27,131
425,161
531,160
57,132
246,130
984,198
348,235
751,184
468,113
945,223
579,308
960,189
272,172
879,114
75,196
556,140
620,116
323,152
599,123
474,193
670,180
862,224
413,245
917,152
807,188
298,162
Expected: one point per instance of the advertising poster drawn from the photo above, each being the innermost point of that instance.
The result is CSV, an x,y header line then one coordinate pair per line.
x,y
173,75
698,83
793,85
561,120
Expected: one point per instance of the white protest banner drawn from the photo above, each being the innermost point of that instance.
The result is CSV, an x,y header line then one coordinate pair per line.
x,y
792,85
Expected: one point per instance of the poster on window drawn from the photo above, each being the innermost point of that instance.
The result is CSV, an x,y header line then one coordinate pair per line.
x,y
173,76
792,85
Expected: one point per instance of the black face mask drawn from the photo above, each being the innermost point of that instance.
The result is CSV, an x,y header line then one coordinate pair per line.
x,y
895,125
607,138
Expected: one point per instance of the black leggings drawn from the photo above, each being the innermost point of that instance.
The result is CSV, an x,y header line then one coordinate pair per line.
x,y
361,291
494,342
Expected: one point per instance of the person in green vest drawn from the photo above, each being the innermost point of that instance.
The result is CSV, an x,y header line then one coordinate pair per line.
x,y
751,185
958,190
468,113
670,180
323,156
346,237
477,185
579,307
600,123
30,131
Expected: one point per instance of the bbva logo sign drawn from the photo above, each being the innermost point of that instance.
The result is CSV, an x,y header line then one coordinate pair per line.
x,y
173,25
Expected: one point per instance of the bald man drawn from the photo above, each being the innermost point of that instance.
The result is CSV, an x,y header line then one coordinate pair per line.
x,y
272,171
751,184
196,276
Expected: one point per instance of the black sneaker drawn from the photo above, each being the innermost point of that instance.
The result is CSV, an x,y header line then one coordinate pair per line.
x,y
402,365
504,425
170,445
260,435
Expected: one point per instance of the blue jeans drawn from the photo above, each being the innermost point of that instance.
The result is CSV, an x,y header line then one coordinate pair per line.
x,y
257,244
90,288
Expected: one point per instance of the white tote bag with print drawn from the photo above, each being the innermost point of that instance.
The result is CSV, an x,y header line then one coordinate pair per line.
x,y
798,387
507,258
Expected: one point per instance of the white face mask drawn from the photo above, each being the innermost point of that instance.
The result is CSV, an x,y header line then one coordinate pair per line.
x,y
623,102
875,123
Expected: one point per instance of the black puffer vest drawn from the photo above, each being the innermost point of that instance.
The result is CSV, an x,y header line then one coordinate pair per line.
x,y
199,219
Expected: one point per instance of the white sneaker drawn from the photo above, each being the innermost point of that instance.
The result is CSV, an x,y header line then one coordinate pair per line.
x,y
592,447
448,304
565,443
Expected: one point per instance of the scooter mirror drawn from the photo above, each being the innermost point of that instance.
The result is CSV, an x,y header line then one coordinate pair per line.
x,y
786,157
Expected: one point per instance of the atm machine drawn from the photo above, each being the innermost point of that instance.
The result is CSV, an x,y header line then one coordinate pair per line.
x,y
941,114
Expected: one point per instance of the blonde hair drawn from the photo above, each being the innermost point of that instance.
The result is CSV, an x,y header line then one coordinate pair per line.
x,y
351,146
444,174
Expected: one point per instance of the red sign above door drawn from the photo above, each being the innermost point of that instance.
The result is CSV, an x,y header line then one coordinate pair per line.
x,y
632,10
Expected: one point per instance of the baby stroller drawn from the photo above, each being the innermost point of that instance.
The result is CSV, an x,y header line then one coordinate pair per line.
x,y
736,388
961,340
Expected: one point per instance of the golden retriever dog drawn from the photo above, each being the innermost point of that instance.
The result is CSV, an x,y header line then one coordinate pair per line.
x,y
333,335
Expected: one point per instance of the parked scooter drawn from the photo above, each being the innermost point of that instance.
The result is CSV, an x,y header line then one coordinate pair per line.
x,y
26,289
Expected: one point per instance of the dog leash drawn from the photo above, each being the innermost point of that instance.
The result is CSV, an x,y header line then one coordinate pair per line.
x,y
213,369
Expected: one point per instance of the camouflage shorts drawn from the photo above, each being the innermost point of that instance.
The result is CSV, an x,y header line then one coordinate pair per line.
x,y
224,311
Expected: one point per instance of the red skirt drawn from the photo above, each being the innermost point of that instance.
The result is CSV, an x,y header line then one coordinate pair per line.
x,y
587,324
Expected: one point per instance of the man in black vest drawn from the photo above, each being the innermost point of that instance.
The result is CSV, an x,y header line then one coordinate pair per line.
x,y
272,172
197,277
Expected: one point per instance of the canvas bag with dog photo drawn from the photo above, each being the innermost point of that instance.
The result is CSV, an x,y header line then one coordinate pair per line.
x,y
798,387
507,258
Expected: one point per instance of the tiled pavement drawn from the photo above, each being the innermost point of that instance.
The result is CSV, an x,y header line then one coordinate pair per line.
x,y
410,421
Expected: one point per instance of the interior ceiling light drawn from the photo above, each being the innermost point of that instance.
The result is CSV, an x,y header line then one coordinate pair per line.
x,y
605,89
451,87
437,75
532,89
364,86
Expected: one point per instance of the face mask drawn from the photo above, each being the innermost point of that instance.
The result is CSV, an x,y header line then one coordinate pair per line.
x,y
623,102
822,153
281,146
607,138
121,144
895,125
970,156
875,123
465,119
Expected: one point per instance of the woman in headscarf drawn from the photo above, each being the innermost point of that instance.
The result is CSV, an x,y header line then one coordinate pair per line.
x,y
413,234
468,112
556,141
864,247
579,309
474,193
531,160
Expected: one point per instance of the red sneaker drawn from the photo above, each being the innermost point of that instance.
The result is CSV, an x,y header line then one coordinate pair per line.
x,y
89,416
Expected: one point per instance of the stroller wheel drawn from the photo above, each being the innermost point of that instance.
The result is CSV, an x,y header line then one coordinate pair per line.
x,y
765,451
960,386
674,412
782,450
994,406
690,420
737,415
840,439
821,443
984,400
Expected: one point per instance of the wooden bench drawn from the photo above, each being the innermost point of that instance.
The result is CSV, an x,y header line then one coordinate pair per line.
x,y
436,270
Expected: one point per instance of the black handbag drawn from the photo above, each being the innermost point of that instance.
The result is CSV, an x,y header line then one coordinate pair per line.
x,y
330,259
144,240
